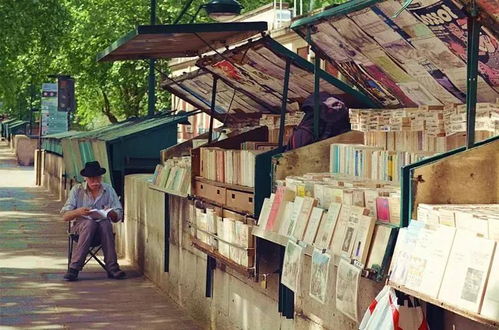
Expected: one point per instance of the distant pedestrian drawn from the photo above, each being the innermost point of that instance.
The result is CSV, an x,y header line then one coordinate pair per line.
x,y
333,120
100,197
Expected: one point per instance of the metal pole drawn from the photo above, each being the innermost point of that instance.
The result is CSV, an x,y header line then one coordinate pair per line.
x,y
316,95
472,71
183,11
38,174
284,102
166,259
212,108
151,92
32,101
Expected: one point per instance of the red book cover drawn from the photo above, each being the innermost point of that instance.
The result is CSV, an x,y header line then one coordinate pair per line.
x,y
383,209
275,208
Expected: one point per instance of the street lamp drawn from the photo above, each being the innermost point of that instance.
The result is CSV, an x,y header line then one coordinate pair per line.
x,y
219,10
222,10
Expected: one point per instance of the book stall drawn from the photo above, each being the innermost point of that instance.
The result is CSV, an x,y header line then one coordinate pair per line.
x,y
414,144
131,146
231,177
321,228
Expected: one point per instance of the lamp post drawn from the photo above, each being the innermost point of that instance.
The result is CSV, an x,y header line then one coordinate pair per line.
x,y
151,87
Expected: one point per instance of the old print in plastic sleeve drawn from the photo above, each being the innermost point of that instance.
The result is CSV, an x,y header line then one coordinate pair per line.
x,y
319,275
347,287
291,266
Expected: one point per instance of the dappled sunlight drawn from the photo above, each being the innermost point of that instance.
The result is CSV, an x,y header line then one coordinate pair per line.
x,y
33,260
25,214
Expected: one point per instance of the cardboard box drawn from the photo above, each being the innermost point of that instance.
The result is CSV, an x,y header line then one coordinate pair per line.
x,y
239,200
211,192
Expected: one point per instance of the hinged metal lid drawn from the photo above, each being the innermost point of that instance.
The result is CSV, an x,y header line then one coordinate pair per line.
x,y
181,40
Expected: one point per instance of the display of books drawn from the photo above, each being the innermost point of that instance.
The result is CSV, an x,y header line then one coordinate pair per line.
x,y
371,162
422,129
229,166
481,219
442,260
341,224
174,177
229,237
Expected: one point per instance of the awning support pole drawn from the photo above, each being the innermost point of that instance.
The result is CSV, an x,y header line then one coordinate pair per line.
x,y
284,103
316,96
212,108
317,78
472,72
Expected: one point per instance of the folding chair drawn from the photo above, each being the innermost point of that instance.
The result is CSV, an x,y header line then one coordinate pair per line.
x,y
95,247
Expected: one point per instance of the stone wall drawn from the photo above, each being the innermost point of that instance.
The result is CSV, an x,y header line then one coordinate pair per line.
x,y
53,171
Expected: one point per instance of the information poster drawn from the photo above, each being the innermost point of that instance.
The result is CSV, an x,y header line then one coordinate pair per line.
x,y
52,120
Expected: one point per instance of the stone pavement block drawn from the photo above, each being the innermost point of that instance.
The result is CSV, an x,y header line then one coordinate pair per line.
x,y
33,259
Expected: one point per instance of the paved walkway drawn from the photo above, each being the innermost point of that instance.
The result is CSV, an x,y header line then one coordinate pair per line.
x,y
33,247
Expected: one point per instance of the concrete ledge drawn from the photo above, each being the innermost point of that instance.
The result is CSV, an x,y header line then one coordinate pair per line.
x,y
25,149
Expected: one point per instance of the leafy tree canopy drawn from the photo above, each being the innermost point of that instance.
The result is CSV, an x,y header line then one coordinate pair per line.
x,y
42,37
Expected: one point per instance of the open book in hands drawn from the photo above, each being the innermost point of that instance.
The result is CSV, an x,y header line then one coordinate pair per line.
x,y
96,214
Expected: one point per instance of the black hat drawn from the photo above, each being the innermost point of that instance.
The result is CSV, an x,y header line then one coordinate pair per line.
x,y
92,169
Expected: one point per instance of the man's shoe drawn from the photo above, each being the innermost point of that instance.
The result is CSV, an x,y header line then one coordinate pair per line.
x,y
117,274
71,275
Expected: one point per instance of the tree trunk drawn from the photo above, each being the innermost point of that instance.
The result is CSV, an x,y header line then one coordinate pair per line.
x,y
106,108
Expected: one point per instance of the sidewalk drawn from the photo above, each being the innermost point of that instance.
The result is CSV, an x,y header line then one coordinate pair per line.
x,y
33,259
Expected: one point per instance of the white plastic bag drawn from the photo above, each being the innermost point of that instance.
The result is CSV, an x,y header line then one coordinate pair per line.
x,y
385,313
382,313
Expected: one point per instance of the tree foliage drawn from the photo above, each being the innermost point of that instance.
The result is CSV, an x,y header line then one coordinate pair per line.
x,y
42,37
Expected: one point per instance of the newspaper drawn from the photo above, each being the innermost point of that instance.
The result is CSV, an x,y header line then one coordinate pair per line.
x,y
448,22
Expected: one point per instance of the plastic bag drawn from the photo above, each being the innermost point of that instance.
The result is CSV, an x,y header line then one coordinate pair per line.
x,y
385,313
382,313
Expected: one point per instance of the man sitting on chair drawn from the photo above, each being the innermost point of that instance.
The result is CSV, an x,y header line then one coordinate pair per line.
x,y
93,194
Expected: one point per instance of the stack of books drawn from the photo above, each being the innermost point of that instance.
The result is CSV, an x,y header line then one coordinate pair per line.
x,y
229,166
407,141
174,176
230,237
426,128
487,118
424,118
370,162
273,123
